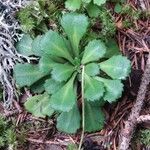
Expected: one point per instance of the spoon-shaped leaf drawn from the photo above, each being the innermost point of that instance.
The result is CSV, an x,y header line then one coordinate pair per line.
x,y
94,89
65,98
39,105
75,25
93,51
114,89
27,74
94,118
52,43
69,122
117,67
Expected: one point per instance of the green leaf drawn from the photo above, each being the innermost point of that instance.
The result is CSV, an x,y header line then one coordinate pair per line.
x,y
112,48
99,2
24,45
117,67
46,63
62,72
36,46
38,87
39,105
94,118
27,74
97,103
118,8
52,43
86,1
92,69
94,89
64,98
114,89
73,4
93,10
75,25
93,51
69,122
72,146
51,86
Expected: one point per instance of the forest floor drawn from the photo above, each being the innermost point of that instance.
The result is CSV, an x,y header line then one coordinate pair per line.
x,y
41,134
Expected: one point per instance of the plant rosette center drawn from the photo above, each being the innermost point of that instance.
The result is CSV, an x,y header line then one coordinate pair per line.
x,y
54,79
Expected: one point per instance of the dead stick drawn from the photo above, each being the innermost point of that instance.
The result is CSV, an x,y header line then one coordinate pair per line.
x,y
143,118
130,124
47,142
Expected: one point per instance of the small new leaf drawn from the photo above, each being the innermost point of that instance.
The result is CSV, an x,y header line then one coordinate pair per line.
x,y
69,122
93,51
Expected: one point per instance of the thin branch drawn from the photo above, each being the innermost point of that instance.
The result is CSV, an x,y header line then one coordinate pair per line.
x,y
142,4
130,124
143,118
47,142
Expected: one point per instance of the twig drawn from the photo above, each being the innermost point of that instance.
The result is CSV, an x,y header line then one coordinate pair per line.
x,y
130,124
11,113
143,118
142,4
46,142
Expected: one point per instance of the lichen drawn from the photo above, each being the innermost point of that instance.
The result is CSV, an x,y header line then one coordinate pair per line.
x,y
9,33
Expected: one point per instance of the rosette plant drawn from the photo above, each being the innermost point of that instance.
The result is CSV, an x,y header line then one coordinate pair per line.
x,y
72,79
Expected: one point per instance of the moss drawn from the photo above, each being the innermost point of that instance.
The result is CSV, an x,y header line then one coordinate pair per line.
x,y
145,137
38,16
8,136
